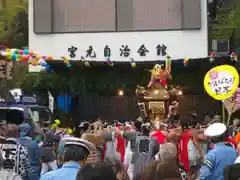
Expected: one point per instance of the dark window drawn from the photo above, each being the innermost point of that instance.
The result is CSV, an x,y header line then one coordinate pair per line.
x,y
155,14
223,46
12,116
84,15
61,16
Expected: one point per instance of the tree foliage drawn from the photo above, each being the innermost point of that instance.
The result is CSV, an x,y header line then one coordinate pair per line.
x,y
38,82
96,81
226,25
14,33
14,25
107,80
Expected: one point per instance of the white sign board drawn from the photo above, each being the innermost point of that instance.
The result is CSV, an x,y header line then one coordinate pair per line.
x,y
154,45
221,82
16,93
37,68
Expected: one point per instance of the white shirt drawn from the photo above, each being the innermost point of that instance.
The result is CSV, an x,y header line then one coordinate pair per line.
x,y
128,154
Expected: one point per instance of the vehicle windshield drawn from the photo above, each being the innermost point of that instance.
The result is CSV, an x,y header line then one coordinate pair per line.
x,y
39,114
12,115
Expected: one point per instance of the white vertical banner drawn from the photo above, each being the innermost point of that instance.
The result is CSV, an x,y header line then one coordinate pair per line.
x,y
2,68
9,70
50,102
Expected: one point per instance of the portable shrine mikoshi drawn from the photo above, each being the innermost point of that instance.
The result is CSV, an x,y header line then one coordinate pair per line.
x,y
154,100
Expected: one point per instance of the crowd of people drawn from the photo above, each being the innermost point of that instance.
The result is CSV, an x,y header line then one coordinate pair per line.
x,y
137,150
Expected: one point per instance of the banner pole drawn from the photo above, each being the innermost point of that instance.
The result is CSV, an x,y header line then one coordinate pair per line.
x,y
223,112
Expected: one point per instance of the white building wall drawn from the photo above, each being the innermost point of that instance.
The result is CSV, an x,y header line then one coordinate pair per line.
x,y
180,44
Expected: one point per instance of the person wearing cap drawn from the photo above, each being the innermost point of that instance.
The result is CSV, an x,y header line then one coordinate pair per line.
x,y
25,132
222,154
75,155
66,135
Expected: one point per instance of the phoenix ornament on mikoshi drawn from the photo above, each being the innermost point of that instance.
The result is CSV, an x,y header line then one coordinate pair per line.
x,y
159,76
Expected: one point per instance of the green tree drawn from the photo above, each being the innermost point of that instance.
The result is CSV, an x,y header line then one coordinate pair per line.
x,y
14,25
227,23
14,33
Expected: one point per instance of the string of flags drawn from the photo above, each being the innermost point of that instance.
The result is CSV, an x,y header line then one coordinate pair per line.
x,y
33,58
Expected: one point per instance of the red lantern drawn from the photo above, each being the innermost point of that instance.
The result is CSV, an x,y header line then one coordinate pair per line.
x,y
233,56
212,56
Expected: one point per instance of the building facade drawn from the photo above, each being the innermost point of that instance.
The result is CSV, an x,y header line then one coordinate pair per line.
x,y
119,29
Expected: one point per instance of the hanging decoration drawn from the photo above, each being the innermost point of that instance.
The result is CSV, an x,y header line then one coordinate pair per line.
x,y
66,61
133,63
185,62
34,59
85,61
108,61
168,63
25,55
233,56
212,56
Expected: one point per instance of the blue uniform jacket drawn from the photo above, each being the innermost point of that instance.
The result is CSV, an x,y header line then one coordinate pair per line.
x,y
68,171
33,156
216,160
33,150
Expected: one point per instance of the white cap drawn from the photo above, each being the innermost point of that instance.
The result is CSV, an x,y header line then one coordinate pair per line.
x,y
215,129
80,142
